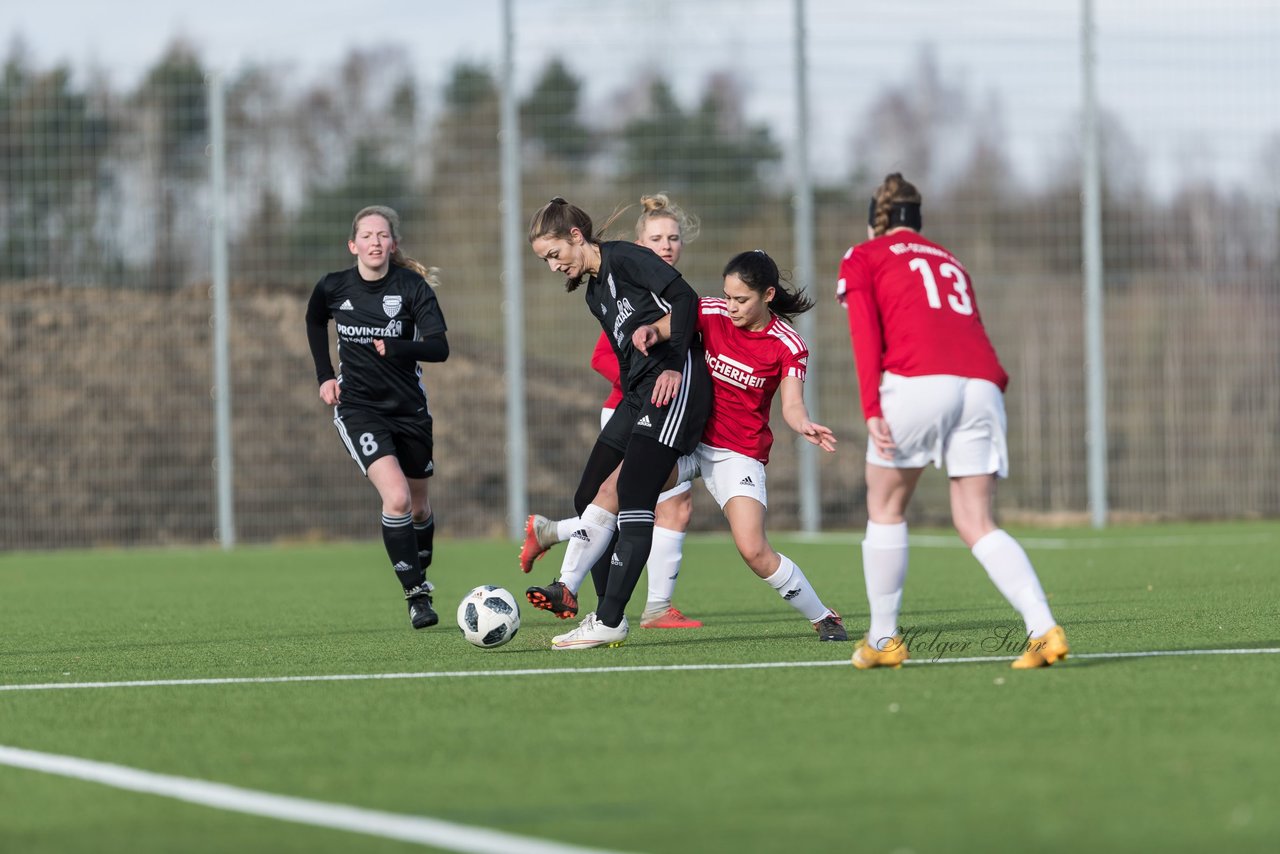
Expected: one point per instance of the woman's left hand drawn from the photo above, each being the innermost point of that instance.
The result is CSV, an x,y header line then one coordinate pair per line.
x,y
819,435
380,346
665,388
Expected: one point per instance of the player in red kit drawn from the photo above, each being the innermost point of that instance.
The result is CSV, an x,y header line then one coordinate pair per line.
x,y
932,391
752,354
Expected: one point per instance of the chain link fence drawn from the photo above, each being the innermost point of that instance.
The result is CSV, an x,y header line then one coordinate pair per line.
x,y
105,251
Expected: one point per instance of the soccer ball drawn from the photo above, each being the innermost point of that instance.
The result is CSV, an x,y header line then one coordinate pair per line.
x,y
488,616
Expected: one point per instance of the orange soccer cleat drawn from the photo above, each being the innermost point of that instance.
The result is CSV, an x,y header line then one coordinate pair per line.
x,y
671,618
866,656
539,535
1044,650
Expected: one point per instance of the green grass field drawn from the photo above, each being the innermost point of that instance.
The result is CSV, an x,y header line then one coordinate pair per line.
x,y
1101,753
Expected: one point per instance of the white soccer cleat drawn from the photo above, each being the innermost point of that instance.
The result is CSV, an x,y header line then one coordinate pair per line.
x,y
591,632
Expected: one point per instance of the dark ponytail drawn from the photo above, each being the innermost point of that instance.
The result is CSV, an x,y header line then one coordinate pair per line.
x,y
557,218
759,273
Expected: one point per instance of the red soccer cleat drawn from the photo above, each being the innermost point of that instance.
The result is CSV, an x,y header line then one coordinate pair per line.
x,y
539,535
670,619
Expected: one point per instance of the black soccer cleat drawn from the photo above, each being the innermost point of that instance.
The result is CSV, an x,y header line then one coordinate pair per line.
x,y
556,598
420,613
831,628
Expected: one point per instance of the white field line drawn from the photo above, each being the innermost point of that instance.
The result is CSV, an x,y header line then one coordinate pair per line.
x,y
952,541
568,671
406,828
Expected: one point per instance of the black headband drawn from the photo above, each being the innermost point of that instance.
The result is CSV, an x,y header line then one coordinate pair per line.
x,y
900,213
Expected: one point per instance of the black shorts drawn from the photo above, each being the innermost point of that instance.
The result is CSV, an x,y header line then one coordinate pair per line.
x,y
370,436
679,424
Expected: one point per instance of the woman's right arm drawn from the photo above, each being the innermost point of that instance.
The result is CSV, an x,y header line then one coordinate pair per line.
x,y
318,341
865,331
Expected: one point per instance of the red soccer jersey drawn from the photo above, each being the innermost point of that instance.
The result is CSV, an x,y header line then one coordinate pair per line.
x,y
605,363
746,368
912,312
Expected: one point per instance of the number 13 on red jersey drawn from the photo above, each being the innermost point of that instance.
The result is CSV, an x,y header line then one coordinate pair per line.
x,y
959,300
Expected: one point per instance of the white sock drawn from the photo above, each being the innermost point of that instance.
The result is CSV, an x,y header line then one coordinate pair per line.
x,y
663,568
884,568
1011,571
788,579
587,542
566,527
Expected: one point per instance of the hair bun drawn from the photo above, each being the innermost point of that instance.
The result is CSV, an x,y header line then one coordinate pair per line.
x,y
558,201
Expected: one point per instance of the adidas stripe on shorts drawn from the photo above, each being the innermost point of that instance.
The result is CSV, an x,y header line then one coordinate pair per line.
x,y
369,436
680,488
728,474
677,425
944,420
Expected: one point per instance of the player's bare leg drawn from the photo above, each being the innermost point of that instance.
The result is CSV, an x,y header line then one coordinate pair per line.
x,y
1008,567
746,523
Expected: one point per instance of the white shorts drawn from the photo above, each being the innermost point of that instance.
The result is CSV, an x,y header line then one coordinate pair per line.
x,y
678,489
945,420
728,474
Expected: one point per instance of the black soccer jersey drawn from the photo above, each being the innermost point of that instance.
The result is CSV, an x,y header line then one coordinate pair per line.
x,y
635,287
399,308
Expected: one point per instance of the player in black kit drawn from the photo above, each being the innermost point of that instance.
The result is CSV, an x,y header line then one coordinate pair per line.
x,y
388,321
666,400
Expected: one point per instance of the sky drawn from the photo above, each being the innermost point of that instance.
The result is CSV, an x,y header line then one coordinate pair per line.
x,y
1195,81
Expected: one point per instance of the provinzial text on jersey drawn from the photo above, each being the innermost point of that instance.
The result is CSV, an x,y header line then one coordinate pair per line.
x,y
624,311
366,334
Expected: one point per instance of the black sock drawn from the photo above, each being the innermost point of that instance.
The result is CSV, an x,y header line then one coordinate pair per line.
x,y
644,470
402,547
600,569
426,532
635,539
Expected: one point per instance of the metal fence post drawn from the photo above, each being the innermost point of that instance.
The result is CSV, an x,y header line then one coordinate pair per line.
x,y
221,351
1091,231
513,284
808,484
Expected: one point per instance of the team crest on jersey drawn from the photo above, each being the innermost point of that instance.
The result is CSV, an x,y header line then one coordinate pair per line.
x,y
391,304
613,289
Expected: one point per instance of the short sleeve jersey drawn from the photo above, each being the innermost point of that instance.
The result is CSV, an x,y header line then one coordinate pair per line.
x,y
912,312
746,369
625,294
399,305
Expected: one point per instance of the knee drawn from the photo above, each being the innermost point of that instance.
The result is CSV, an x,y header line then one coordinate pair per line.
x,y
673,514
397,503
758,555
972,527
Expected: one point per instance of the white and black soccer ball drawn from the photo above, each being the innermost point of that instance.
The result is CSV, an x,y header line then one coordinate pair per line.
x,y
488,616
